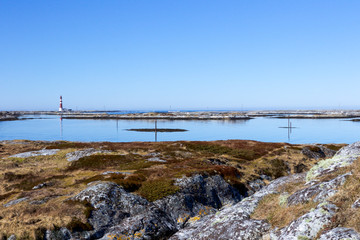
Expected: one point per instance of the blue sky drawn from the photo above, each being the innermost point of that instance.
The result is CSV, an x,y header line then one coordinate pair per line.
x,y
179,54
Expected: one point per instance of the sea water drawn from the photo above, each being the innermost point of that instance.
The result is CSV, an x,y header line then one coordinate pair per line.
x,y
49,127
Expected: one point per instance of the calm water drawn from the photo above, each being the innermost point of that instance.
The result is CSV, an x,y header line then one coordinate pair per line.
x,y
261,129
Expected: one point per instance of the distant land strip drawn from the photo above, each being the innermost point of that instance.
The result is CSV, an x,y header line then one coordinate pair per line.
x,y
157,130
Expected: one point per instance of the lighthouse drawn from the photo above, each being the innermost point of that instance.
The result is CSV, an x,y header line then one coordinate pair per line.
x,y
61,107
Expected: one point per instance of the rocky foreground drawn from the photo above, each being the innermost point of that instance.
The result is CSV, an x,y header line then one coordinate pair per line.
x,y
179,190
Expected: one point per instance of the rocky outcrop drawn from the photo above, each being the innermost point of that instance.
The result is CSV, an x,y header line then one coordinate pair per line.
x,y
340,233
234,222
111,204
346,156
309,225
199,195
43,152
150,224
117,213
76,155
318,192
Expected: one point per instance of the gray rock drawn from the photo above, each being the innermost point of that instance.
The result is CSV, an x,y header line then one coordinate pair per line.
x,y
16,201
151,224
44,200
340,233
111,205
309,225
234,222
112,172
44,152
156,159
321,152
344,157
356,204
60,234
76,155
320,191
12,237
199,195
256,185
41,185
119,213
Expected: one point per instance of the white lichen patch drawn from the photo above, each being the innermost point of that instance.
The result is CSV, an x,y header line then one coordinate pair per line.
x,y
345,157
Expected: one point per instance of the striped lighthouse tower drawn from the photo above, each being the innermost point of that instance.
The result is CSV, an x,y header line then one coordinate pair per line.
x,y
61,107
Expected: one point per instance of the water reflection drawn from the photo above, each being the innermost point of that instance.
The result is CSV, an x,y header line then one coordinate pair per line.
x,y
289,128
51,128
61,128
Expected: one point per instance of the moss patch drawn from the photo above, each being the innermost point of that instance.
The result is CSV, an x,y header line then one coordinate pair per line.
x,y
157,189
121,162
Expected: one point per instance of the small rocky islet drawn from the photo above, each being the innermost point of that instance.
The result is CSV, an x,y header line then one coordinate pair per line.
x,y
233,189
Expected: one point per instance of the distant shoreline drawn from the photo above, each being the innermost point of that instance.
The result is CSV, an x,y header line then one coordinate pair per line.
x,y
201,115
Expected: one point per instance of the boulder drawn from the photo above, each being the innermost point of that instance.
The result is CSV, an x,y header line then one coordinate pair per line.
x,y
318,151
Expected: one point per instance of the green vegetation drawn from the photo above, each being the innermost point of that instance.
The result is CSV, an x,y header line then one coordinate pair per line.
x,y
218,149
121,162
131,183
276,168
157,189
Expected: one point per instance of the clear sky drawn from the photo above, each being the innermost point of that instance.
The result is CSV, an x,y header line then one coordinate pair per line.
x,y
179,54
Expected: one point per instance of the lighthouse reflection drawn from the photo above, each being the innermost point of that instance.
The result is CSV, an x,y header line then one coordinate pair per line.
x,y
61,128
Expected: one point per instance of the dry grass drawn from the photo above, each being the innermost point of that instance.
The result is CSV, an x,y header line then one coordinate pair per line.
x,y
346,196
279,214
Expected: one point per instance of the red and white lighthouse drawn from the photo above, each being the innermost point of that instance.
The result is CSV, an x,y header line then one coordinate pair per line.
x,y
61,107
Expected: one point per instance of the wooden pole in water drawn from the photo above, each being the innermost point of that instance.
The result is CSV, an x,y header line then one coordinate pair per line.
x,y
155,130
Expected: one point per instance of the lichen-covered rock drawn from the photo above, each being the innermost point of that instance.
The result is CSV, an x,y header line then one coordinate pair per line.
x,y
344,157
234,222
309,225
320,192
198,195
76,155
340,233
43,152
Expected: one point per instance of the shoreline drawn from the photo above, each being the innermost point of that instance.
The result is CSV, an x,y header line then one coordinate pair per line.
x,y
200,115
